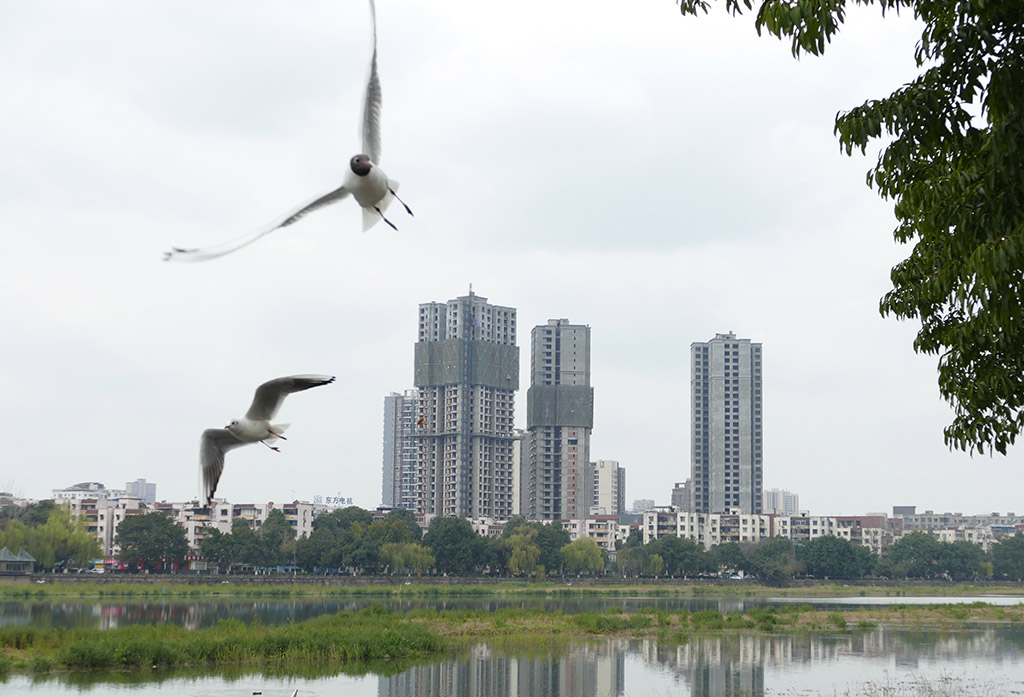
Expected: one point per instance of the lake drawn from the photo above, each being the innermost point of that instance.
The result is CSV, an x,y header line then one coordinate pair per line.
x,y
978,661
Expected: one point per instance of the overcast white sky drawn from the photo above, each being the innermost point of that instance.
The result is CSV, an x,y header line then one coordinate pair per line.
x,y
658,177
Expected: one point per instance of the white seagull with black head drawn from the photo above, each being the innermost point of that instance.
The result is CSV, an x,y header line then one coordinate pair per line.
x,y
254,427
365,180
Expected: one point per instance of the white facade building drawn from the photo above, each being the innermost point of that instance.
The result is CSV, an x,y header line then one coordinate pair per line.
x,y
609,488
605,530
712,529
101,516
83,490
142,490
781,502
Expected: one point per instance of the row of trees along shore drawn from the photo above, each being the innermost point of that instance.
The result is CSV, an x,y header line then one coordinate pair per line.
x,y
350,541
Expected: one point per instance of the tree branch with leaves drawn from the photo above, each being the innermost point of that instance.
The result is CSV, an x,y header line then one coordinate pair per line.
x,y
953,167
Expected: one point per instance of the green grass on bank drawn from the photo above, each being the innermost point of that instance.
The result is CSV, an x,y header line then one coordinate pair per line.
x,y
250,587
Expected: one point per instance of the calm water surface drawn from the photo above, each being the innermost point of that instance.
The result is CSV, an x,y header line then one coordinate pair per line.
x,y
976,662
108,612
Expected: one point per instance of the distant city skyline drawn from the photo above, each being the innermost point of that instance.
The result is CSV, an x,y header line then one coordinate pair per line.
x,y
767,228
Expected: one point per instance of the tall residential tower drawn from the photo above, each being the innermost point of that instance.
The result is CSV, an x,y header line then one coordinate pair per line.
x,y
467,372
557,478
725,451
401,451
609,487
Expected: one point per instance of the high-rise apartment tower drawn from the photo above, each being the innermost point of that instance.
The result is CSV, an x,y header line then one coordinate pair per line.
x,y
467,372
726,445
557,479
401,480
609,487
781,502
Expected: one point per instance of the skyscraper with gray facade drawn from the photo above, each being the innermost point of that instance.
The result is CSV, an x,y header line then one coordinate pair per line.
x,y
726,443
400,466
467,372
557,479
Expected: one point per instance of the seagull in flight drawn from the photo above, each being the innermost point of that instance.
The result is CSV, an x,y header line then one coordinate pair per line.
x,y
254,427
365,181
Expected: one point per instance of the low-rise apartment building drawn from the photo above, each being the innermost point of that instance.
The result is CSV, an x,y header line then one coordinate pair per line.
x,y
102,516
713,529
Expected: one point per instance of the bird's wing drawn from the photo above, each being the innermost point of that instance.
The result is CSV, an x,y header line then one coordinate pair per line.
x,y
270,394
212,446
372,102
219,250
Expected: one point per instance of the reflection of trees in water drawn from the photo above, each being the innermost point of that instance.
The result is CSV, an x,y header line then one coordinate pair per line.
x,y
591,670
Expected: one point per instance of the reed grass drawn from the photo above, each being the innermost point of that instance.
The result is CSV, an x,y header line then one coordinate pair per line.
x,y
381,633
370,634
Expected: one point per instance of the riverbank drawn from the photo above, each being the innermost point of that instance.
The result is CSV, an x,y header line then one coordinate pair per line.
x,y
312,587
378,633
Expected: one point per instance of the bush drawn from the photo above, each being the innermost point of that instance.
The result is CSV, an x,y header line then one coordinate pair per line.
x,y
600,624
707,620
837,620
41,664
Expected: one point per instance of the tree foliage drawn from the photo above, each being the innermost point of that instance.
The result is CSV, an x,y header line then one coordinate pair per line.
x,y
834,557
151,540
1008,558
523,552
50,534
551,538
32,515
773,560
954,170
583,556
915,556
406,557
277,540
681,557
454,544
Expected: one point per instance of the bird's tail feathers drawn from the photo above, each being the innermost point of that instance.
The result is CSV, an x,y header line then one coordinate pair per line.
x,y
276,430
370,216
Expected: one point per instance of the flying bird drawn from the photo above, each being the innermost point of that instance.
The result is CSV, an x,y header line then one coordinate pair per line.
x,y
365,181
254,427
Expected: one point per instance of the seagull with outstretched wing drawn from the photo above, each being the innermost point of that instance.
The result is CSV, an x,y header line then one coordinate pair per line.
x,y
254,427
365,181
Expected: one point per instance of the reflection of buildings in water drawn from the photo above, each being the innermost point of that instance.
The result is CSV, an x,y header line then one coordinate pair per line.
x,y
586,671
726,665
590,670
